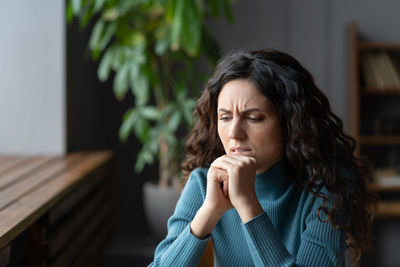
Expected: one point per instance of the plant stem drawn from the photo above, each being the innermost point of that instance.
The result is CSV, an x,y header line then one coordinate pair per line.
x,y
168,166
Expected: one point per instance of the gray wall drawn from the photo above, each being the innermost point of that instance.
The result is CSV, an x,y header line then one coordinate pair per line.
x,y
32,71
315,32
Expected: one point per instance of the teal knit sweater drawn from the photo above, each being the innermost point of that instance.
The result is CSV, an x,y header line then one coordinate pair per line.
x,y
287,233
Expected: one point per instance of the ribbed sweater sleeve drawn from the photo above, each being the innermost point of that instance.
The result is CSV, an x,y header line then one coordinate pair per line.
x,y
264,243
320,244
181,247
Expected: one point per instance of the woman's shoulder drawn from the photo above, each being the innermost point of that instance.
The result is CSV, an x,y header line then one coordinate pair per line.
x,y
199,175
197,182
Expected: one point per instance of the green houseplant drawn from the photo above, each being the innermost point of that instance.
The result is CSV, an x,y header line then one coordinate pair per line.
x,y
149,48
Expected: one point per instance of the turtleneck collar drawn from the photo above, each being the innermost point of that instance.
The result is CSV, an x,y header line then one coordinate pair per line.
x,y
274,181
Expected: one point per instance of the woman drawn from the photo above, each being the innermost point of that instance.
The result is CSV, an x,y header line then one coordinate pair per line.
x,y
273,181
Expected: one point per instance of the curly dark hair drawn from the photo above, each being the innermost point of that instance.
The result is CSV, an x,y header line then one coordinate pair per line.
x,y
316,147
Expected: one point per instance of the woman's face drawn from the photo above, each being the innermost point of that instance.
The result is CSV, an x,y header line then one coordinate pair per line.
x,y
248,124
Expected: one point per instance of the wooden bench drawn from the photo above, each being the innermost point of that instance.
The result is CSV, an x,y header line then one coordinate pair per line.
x,y
64,204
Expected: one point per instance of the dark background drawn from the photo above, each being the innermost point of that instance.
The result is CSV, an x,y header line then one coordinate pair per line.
x,y
94,116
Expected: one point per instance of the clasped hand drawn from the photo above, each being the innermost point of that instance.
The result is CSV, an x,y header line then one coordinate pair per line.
x,y
230,184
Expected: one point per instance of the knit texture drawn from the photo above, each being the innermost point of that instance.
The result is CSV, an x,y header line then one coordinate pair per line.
x,y
287,233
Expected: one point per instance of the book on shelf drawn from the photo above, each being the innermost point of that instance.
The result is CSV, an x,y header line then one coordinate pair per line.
x,y
383,70
393,79
396,63
386,177
380,71
368,71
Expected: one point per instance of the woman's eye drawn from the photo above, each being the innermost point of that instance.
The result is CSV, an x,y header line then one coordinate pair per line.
x,y
224,118
255,119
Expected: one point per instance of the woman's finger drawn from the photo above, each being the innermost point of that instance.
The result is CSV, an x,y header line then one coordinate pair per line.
x,y
222,163
225,187
231,162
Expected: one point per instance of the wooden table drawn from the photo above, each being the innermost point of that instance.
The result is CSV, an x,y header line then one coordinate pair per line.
x,y
64,203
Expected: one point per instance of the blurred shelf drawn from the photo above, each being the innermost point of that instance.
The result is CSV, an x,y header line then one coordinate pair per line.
x,y
377,188
388,209
381,91
365,45
380,139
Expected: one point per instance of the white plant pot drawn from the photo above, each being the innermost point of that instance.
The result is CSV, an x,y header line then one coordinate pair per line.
x,y
159,205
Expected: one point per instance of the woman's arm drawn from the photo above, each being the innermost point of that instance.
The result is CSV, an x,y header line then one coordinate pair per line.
x,y
181,247
320,244
194,219
216,203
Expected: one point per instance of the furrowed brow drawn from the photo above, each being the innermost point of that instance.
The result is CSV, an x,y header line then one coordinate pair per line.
x,y
222,110
252,110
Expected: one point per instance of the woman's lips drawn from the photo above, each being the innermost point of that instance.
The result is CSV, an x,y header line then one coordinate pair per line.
x,y
240,150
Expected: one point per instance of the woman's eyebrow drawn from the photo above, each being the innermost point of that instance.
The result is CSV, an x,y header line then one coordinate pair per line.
x,y
253,110
222,110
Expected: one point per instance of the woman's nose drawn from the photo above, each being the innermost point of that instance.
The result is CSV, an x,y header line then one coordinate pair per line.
x,y
236,130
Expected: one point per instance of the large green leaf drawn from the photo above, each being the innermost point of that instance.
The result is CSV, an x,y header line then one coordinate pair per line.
x,y
141,89
76,6
150,113
129,121
141,129
108,34
145,156
154,135
86,14
148,157
118,59
140,162
125,6
70,12
139,83
163,39
167,111
135,54
105,65
191,30
96,35
121,82
177,24
170,10
174,121
98,5
100,37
